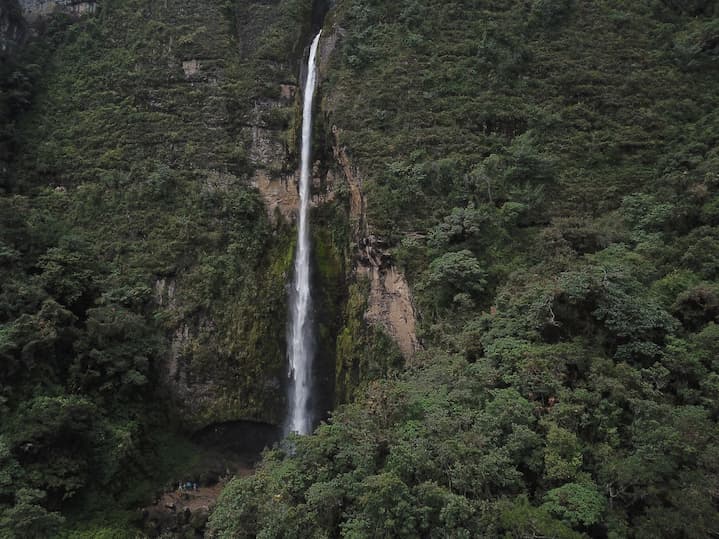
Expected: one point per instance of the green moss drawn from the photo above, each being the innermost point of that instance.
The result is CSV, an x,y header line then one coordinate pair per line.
x,y
245,354
364,353
328,261
328,282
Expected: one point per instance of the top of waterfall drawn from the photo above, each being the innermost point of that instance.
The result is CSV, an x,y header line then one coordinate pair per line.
x,y
315,42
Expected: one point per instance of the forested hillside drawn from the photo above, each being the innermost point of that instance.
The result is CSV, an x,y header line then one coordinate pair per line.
x,y
544,174
143,284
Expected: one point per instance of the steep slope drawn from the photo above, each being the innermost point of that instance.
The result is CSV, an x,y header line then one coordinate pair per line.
x,y
119,135
545,173
515,243
143,278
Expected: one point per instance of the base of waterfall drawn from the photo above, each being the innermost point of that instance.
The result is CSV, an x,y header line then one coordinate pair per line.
x,y
198,470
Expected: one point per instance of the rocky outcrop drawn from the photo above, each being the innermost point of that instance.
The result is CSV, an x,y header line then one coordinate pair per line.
x,y
226,359
279,193
32,9
191,67
354,181
389,305
328,45
268,153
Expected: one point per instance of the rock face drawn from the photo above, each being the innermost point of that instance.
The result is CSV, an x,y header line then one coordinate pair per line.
x,y
201,374
32,9
12,27
390,304
226,359
203,102
191,67
271,150
279,193
269,154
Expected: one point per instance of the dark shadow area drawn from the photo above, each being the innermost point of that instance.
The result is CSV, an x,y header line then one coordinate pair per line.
x,y
243,438
319,11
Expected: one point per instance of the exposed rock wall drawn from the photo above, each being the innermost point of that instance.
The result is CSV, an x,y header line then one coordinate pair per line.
x,y
200,100
269,155
32,9
203,373
389,305
354,181
12,27
226,362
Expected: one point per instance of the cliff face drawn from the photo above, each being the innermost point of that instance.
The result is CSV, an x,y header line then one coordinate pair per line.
x,y
12,27
544,173
166,116
390,306
539,177
377,330
177,123
33,9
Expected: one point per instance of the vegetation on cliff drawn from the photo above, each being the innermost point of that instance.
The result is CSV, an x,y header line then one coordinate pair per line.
x,y
546,173
135,257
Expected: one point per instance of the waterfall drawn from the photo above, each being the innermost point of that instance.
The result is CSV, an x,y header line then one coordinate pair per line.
x,y
300,335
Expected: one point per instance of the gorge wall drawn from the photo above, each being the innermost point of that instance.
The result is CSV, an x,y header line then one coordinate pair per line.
x,y
12,27
206,229
553,209
178,215
346,249
32,9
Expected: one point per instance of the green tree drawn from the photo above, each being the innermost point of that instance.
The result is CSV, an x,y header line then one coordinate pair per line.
x,y
577,504
385,508
520,519
563,454
452,277
27,519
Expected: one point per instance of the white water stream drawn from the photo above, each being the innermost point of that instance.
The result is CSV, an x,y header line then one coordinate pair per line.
x,y
300,339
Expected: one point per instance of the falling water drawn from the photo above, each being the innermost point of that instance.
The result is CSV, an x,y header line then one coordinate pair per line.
x,y
300,341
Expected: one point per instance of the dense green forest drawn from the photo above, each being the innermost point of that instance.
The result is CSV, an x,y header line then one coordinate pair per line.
x,y
544,172
129,233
